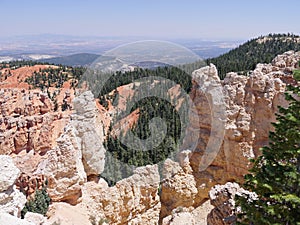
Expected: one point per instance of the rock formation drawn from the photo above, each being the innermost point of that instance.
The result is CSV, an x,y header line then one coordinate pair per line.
x,y
35,218
65,214
222,198
250,106
12,200
89,130
29,184
28,121
187,216
64,169
6,219
179,189
73,161
133,200
79,153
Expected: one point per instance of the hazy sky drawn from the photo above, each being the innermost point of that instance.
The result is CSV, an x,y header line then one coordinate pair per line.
x,y
156,18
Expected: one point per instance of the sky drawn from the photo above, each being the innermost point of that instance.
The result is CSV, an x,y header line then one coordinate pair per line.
x,y
209,19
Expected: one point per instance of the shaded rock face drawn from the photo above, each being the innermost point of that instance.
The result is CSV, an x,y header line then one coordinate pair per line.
x,y
222,198
250,106
178,189
29,184
12,200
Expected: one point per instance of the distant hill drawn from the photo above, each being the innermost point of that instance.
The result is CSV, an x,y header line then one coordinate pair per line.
x,y
81,59
259,50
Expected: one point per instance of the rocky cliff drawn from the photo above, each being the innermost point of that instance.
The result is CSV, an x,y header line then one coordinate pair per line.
x,y
74,161
79,152
222,198
25,121
250,106
12,200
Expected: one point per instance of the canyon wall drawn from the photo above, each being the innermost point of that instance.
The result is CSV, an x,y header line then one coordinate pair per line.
x,y
73,161
250,106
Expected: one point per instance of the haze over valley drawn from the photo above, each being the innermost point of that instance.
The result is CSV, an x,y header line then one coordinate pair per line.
x,y
36,47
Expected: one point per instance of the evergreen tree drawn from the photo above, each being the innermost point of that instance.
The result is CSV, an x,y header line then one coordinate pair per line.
x,y
248,55
39,204
275,176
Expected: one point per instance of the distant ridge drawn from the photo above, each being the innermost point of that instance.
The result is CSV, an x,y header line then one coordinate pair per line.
x,y
75,60
259,50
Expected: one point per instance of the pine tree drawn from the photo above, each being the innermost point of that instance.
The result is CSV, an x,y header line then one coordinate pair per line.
x,y
275,176
39,204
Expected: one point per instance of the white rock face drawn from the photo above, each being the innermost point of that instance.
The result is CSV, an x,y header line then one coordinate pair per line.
x,y
8,172
222,198
65,214
79,153
89,133
12,201
64,169
182,216
35,218
7,219
133,200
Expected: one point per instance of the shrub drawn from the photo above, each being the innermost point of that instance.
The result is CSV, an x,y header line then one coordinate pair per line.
x,y
39,204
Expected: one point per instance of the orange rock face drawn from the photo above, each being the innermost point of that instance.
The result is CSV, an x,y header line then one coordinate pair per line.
x,y
27,121
250,105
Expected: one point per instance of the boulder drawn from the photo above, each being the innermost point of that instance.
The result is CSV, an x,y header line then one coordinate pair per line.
x,y
8,173
189,216
222,198
133,200
7,219
64,169
35,218
12,201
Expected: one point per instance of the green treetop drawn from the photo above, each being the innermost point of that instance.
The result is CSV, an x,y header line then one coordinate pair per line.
x,y
275,176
